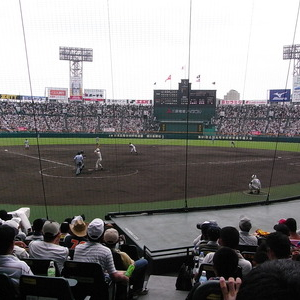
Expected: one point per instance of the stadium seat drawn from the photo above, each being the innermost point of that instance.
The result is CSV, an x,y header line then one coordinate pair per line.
x,y
209,290
7,290
40,266
90,280
43,287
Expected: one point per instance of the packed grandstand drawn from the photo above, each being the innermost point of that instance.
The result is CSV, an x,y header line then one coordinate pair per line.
x,y
76,117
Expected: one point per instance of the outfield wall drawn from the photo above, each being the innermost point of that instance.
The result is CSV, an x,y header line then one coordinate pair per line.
x,y
207,135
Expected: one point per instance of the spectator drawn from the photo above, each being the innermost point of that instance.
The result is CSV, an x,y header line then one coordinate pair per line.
x,y
20,249
276,279
49,248
9,263
229,237
282,228
36,234
246,239
225,262
292,226
94,251
213,234
278,246
203,238
78,232
111,238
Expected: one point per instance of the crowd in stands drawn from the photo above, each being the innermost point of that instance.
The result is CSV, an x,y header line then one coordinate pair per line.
x,y
74,239
249,120
267,263
75,117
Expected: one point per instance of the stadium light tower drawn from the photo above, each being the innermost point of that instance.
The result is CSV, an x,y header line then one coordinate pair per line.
x,y
76,57
293,52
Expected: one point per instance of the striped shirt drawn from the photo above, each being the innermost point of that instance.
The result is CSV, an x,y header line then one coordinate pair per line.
x,y
14,268
95,252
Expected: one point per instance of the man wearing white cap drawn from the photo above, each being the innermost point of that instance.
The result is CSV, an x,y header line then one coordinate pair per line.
x,y
49,248
94,251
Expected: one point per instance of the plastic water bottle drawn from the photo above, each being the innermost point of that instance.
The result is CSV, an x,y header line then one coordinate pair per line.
x,y
130,270
51,269
203,278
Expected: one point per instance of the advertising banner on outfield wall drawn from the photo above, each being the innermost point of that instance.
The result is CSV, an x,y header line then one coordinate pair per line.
x,y
60,94
296,89
94,95
76,88
282,95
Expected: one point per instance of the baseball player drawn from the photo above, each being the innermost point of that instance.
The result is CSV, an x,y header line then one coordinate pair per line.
x,y
78,159
254,185
26,144
99,158
132,148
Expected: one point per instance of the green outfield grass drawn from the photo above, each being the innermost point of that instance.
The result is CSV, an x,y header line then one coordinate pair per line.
x,y
293,147
93,211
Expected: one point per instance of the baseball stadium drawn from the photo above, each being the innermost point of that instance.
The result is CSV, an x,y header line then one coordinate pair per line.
x,y
152,167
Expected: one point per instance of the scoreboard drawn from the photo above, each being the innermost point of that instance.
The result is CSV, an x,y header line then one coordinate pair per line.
x,y
185,96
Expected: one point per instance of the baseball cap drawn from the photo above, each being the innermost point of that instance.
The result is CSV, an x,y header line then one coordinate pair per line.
x,y
50,228
245,224
95,229
206,224
111,236
78,227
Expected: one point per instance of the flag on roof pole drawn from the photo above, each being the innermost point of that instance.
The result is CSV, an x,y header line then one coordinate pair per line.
x,y
169,78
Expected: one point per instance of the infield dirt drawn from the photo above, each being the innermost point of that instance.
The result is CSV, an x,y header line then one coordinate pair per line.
x,y
157,173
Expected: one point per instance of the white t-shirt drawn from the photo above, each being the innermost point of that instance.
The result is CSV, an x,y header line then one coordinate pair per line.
x,y
45,250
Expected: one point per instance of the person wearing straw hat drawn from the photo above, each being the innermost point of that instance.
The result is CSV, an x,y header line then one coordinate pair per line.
x,y
77,234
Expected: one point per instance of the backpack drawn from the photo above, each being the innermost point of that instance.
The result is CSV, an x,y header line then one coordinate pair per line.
x,y
184,278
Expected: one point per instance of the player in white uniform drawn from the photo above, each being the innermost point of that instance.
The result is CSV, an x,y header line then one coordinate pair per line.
x,y
132,148
99,158
254,185
78,159
26,144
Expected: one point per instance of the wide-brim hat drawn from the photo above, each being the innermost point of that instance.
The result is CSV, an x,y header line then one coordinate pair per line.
x,y
79,228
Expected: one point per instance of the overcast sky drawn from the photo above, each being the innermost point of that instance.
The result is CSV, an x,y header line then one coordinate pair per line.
x,y
236,43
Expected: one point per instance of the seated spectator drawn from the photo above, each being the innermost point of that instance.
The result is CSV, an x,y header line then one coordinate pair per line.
x,y
282,228
246,239
278,246
292,226
36,234
49,248
276,279
213,234
64,231
111,238
203,238
9,263
94,251
19,246
229,237
225,262
77,233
